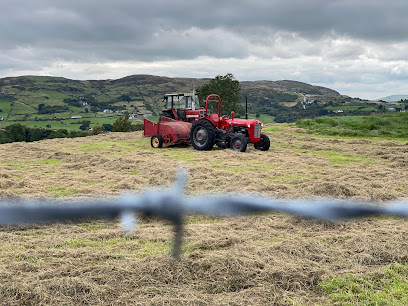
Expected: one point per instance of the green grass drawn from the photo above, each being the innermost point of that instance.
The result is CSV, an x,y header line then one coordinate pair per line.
x,y
255,166
102,243
389,288
62,192
277,128
343,107
142,247
286,178
180,154
264,118
202,219
337,158
95,227
127,145
5,108
24,164
393,125
20,108
271,239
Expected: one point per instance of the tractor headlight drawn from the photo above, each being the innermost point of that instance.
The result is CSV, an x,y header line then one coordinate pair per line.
x,y
249,125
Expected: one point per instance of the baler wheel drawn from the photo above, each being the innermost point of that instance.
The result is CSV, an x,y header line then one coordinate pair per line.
x,y
202,135
239,143
263,144
156,141
166,139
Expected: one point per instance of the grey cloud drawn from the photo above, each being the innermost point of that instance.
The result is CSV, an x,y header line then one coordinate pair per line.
x,y
107,28
317,41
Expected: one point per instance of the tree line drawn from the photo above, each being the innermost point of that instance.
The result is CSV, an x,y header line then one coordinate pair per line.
x,y
18,132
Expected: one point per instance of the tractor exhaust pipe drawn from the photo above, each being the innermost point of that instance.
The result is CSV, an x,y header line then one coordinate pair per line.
x,y
246,107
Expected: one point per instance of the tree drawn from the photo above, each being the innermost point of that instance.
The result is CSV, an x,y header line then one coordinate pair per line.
x,y
108,127
228,88
323,112
16,132
98,129
122,124
125,98
85,125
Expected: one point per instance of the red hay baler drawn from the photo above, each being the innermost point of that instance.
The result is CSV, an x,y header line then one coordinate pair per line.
x,y
167,131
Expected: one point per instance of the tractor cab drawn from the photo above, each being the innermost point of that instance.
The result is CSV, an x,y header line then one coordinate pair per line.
x,y
179,106
181,101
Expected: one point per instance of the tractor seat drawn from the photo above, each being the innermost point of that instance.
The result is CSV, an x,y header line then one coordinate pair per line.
x,y
214,118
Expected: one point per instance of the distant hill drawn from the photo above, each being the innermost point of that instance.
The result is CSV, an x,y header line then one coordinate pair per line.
x,y
41,98
393,98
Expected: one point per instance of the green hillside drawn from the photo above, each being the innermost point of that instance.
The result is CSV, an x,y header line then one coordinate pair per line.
x,y
40,101
37,101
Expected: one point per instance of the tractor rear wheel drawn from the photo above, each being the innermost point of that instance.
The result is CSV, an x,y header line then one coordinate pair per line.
x,y
263,144
202,135
156,141
239,143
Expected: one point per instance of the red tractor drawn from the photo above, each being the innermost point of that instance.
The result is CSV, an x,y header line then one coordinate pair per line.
x,y
205,129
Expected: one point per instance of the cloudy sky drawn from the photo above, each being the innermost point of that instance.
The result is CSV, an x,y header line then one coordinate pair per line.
x,y
357,47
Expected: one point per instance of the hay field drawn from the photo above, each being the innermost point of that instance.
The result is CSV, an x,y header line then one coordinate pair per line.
x,y
263,259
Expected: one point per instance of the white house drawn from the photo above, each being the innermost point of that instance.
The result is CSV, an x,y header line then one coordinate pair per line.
x,y
76,117
108,111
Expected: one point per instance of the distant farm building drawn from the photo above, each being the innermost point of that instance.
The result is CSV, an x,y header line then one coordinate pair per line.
x,y
108,111
76,117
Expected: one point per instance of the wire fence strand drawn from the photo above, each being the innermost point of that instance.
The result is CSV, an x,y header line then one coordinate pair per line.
x,y
171,204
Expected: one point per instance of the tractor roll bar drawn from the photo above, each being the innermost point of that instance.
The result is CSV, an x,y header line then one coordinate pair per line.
x,y
216,101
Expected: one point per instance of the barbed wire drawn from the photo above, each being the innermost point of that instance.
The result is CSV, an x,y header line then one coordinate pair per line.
x,y
171,204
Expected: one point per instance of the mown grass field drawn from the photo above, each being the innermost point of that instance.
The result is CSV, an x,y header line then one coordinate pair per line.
x,y
247,260
391,125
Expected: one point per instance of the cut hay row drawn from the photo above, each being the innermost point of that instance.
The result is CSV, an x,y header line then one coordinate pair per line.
x,y
271,258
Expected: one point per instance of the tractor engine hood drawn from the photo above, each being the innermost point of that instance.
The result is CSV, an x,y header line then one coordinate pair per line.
x,y
242,122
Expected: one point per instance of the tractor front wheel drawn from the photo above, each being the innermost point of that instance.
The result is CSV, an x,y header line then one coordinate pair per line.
x,y
202,135
263,144
156,141
239,143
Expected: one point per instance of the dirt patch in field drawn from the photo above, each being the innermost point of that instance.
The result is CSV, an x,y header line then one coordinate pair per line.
x,y
264,259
